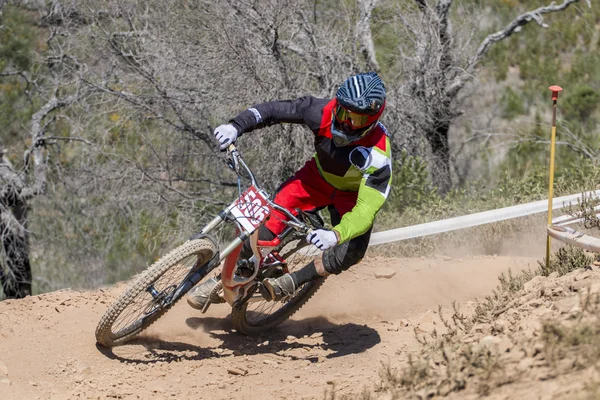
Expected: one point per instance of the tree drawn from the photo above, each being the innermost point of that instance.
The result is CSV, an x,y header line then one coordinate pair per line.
x,y
438,64
140,86
51,85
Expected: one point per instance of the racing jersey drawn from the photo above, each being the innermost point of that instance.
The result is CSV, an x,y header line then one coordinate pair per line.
x,y
364,166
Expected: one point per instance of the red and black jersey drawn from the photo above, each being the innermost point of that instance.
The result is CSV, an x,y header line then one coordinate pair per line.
x,y
363,166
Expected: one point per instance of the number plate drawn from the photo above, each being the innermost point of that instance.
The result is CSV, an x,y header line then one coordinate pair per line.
x,y
251,209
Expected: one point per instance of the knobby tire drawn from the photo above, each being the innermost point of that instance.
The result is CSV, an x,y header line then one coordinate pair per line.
x,y
239,313
104,332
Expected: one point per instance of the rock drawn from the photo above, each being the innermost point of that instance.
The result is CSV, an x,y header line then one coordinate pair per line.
x,y
237,371
291,338
583,274
500,326
490,341
594,287
525,364
316,335
532,284
425,394
553,275
385,273
575,310
535,303
82,367
495,344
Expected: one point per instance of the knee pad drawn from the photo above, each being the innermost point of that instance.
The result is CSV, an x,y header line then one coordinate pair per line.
x,y
339,258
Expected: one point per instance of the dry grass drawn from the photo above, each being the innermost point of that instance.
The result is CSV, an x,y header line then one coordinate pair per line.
x,y
481,351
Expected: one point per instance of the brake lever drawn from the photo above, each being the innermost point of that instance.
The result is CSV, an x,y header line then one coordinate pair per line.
x,y
299,227
231,161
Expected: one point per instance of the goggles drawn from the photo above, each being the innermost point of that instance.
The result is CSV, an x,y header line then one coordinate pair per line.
x,y
352,118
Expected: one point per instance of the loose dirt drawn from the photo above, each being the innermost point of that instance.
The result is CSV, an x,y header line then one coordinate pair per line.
x,y
357,322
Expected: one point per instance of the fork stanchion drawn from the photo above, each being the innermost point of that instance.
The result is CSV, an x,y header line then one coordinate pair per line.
x,y
555,90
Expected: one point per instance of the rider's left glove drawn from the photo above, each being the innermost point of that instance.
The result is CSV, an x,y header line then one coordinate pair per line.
x,y
226,134
322,238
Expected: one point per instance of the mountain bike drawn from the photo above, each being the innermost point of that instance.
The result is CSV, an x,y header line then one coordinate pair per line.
x,y
154,291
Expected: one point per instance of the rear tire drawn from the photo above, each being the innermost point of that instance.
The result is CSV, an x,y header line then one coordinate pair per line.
x,y
244,319
144,308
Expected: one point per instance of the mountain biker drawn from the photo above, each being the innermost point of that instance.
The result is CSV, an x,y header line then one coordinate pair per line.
x,y
350,174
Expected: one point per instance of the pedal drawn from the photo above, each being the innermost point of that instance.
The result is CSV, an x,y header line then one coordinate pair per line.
x,y
213,295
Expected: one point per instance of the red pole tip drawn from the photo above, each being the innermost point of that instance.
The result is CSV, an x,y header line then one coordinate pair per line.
x,y
555,89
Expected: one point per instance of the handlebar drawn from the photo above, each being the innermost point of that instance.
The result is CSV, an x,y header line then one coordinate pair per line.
x,y
234,161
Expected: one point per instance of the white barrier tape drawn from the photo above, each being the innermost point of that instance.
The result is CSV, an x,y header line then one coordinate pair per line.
x,y
574,238
571,219
467,221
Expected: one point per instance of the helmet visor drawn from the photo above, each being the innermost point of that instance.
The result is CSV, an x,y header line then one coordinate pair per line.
x,y
354,119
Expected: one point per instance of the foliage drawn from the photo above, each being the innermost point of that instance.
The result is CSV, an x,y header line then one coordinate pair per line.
x,y
578,176
19,39
411,187
132,169
581,103
512,104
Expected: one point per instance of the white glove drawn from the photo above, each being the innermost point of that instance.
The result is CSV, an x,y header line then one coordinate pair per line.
x,y
322,238
226,134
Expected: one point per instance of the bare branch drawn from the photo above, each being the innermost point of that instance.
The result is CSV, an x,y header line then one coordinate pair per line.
x,y
38,144
363,31
513,27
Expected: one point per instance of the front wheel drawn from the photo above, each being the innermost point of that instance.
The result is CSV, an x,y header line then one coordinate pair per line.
x,y
152,293
258,315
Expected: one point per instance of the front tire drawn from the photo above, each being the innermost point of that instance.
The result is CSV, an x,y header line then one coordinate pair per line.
x,y
141,303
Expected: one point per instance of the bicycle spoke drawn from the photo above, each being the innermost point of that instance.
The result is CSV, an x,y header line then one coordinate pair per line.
x,y
149,301
259,311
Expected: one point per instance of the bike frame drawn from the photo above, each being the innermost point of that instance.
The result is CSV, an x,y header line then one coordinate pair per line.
x,y
248,212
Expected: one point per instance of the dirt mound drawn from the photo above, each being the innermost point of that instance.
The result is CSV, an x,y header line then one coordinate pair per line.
x,y
539,341
358,321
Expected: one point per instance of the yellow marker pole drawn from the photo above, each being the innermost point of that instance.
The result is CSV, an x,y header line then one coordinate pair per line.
x,y
555,89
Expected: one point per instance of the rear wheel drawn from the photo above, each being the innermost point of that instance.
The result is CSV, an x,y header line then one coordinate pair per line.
x,y
149,294
258,315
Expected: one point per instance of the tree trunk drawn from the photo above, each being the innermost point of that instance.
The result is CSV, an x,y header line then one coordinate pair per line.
x,y
16,280
440,149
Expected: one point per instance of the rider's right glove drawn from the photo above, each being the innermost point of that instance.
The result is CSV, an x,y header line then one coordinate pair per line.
x,y
226,134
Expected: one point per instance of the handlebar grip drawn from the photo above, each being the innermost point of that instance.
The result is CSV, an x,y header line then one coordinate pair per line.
x,y
231,147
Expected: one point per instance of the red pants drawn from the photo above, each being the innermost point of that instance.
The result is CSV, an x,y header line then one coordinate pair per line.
x,y
308,190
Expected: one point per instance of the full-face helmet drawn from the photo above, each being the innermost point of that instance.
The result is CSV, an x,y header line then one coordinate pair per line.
x,y
360,103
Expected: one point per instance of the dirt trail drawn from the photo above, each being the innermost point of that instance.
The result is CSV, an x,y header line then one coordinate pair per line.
x,y
353,324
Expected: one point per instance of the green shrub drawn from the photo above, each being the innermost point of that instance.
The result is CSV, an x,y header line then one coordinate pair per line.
x,y
512,104
580,103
